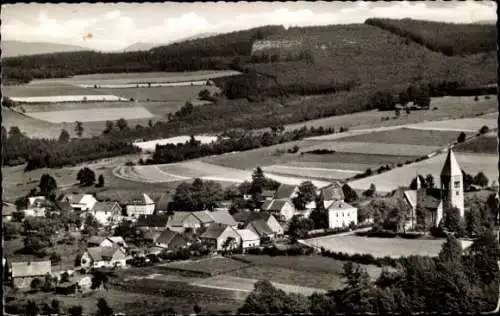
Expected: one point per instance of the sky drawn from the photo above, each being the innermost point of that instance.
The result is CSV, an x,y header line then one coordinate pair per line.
x,y
114,26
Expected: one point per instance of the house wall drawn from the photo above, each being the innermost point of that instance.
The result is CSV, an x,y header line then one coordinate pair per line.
x,y
109,218
287,211
136,210
275,226
250,243
229,232
338,218
6,218
35,212
119,259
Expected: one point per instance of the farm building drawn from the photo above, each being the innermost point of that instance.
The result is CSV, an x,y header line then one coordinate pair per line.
x,y
140,204
223,217
341,214
7,210
107,213
171,240
221,237
97,257
205,217
80,202
267,224
99,241
267,195
329,195
181,221
22,273
282,209
36,206
248,238
152,222
286,191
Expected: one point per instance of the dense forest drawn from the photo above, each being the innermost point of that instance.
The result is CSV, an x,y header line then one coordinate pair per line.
x,y
448,38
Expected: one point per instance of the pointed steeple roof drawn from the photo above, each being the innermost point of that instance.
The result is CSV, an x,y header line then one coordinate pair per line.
x,y
451,167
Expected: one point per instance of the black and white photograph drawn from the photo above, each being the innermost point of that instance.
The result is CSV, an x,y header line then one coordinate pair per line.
x,y
236,158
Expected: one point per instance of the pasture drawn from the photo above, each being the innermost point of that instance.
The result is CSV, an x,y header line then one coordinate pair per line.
x,y
68,98
472,124
314,172
389,181
92,115
210,266
486,144
374,148
380,247
151,145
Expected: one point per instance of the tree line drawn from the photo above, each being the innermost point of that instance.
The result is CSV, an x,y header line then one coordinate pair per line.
x,y
453,282
447,38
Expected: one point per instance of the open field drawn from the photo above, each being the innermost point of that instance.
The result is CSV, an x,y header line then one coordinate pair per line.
x,y
314,172
151,145
197,169
210,266
374,148
68,98
407,136
459,125
447,108
486,144
379,247
92,115
470,163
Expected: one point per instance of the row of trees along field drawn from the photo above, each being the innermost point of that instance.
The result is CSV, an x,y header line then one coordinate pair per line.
x,y
447,38
454,282
214,52
51,153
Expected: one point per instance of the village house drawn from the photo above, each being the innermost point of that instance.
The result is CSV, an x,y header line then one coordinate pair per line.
x,y
282,209
182,221
221,237
22,273
249,238
286,191
328,194
152,222
8,210
99,241
36,207
107,213
139,204
80,202
171,240
97,257
267,195
205,217
341,215
262,223
223,217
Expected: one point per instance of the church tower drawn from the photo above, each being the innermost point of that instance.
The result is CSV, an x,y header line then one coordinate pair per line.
x,y
452,183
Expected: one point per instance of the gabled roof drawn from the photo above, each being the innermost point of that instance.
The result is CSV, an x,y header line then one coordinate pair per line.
x,y
105,206
139,199
426,198
34,199
161,204
117,240
340,205
166,236
177,218
266,204
248,216
223,217
152,220
96,240
285,191
451,167
204,216
214,231
30,268
333,192
8,209
152,235
102,253
276,205
261,228
247,235
268,193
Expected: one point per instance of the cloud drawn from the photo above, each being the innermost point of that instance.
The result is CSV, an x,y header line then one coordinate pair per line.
x,y
116,28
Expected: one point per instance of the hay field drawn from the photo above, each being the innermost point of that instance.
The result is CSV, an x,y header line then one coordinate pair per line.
x,y
472,124
373,148
379,247
470,163
151,145
407,136
486,144
92,115
68,98
212,266
314,172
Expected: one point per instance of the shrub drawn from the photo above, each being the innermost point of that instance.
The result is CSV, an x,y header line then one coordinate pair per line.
x,y
484,130
461,137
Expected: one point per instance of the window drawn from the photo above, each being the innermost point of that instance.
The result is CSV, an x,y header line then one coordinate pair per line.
x,y
458,192
456,184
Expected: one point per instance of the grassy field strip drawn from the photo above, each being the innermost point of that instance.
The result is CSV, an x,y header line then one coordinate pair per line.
x,y
151,145
310,172
458,130
373,148
91,115
469,124
68,98
470,163
170,174
245,284
276,167
380,247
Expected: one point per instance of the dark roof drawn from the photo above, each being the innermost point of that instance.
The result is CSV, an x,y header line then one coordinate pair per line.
x,y
274,205
177,218
162,202
204,216
248,216
125,197
151,235
333,192
261,228
168,237
102,253
152,221
223,217
285,191
268,193
428,199
214,230
96,240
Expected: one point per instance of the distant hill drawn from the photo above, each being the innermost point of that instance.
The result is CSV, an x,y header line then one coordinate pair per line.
x,y
147,46
487,22
18,48
447,38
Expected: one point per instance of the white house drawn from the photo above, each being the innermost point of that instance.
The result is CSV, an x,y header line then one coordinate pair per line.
x,y
81,202
97,257
140,204
248,238
35,207
107,213
341,214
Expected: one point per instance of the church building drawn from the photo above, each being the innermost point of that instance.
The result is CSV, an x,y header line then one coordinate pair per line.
x,y
426,205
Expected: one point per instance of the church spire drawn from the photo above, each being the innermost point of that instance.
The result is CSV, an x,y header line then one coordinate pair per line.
x,y
451,167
